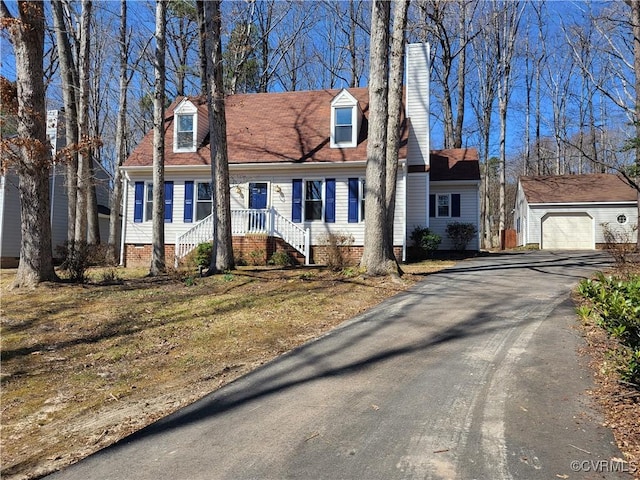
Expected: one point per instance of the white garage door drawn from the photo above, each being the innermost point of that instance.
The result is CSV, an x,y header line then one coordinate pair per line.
x,y
568,231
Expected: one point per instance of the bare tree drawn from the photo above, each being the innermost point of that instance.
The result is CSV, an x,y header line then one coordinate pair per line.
x,y
507,22
33,164
222,254
448,24
375,256
482,100
158,261
121,137
84,157
396,73
68,72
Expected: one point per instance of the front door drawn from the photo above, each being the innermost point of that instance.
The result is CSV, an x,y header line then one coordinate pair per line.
x,y
257,201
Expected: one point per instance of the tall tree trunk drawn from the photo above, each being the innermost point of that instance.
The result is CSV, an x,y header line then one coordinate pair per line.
x,y
84,157
27,36
375,258
202,48
158,261
222,254
396,73
635,23
69,86
121,141
461,76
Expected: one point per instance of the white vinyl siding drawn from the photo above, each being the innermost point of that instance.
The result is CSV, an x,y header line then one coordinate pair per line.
x,y
469,209
279,197
601,214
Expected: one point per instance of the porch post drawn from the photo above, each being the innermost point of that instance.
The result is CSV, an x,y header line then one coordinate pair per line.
x,y
307,246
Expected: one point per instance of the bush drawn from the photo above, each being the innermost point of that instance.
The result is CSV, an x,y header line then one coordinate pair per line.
x,y
616,308
338,249
461,234
425,241
620,244
281,259
257,257
76,261
202,254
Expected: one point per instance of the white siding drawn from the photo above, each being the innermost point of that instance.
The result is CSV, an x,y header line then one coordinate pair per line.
x,y
417,201
469,208
281,201
520,217
601,214
417,108
10,204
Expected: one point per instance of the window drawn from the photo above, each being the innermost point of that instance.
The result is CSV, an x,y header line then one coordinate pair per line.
x,y
185,132
313,200
148,202
444,203
203,200
343,125
143,207
362,193
346,119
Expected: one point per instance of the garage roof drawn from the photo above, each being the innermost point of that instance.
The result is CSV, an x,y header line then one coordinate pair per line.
x,y
587,188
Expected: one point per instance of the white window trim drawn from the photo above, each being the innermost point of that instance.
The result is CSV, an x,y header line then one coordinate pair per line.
x,y
196,201
147,205
345,100
448,205
361,199
185,108
304,198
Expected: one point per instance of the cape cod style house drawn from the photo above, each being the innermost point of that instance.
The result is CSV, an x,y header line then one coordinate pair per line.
x,y
297,166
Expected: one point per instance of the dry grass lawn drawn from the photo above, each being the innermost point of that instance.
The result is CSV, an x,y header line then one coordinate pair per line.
x,y
85,365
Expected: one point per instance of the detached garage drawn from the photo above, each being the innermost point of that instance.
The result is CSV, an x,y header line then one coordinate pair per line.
x,y
571,212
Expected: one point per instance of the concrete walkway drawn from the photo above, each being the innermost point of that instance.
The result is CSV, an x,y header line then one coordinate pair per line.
x,y
472,374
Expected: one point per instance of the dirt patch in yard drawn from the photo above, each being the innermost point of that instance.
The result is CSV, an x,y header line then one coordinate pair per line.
x,y
85,365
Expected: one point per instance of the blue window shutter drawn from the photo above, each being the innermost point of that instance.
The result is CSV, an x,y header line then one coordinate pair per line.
x,y
138,206
330,200
188,202
353,200
432,205
296,212
455,205
168,202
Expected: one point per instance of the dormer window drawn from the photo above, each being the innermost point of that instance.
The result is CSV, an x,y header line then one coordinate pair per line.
x,y
346,117
185,131
185,127
344,125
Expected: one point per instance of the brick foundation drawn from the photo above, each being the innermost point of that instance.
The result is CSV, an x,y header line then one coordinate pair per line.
x,y
254,250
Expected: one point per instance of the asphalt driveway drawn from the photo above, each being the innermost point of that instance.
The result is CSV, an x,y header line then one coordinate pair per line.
x,y
472,374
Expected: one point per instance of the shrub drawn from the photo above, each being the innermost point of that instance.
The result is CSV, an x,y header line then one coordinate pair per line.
x,y
281,259
257,257
338,250
620,244
461,234
202,254
76,261
616,308
425,241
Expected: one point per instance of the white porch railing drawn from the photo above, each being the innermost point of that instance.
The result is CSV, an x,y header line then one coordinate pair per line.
x,y
243,222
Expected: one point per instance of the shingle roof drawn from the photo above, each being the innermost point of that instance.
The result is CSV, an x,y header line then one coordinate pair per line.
x,y
268,128
597,187
454,164
290,127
